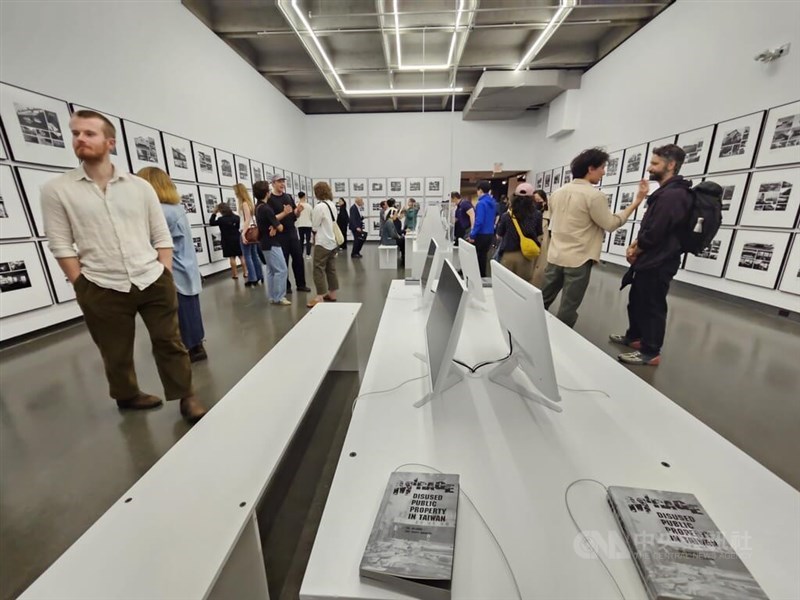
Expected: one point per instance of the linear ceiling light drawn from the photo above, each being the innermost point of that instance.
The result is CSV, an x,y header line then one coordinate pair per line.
x,y
565,7
441,67
377,92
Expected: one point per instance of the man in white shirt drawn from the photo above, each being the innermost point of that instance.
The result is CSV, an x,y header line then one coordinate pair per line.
x,y
323,221
108,233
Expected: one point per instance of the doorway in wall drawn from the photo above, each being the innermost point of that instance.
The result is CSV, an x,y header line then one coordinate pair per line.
x,y
501,182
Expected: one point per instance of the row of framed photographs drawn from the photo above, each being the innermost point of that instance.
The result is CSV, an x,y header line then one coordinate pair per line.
x,y
768,198
746,255
731,145
386,187
37,131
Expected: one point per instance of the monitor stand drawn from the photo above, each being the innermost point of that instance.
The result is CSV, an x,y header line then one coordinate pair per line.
x,y
453,377
503,375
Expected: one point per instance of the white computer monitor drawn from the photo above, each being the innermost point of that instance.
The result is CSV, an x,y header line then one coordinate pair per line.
x,y
431,228
442,330
428,264
529,370
468,257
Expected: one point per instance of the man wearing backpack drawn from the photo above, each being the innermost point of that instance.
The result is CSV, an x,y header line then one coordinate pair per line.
x,y
655,257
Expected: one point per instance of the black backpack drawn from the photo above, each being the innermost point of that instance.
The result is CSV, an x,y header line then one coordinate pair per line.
x,y
705,217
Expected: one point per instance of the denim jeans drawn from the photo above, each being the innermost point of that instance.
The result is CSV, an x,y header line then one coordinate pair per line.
x,y
276,273
250,256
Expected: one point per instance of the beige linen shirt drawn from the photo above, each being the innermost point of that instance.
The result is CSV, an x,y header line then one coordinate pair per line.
x,y
116,234
579,216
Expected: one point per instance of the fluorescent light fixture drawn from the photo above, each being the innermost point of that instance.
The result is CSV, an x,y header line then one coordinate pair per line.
x,y
440,67
405,92
562,13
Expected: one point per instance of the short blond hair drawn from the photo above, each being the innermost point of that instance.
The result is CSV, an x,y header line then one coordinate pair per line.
x,y
323,191
165,190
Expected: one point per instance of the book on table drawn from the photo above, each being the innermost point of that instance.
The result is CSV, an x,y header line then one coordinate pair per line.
x,y
413,538
678,550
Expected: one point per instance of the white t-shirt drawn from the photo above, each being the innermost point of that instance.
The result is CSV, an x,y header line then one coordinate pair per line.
x,y
304,220
322,223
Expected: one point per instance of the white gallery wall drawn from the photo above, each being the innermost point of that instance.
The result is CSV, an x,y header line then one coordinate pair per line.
x,y
153,63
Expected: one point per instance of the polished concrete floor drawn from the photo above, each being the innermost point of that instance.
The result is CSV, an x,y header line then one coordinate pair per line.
x,y
67,453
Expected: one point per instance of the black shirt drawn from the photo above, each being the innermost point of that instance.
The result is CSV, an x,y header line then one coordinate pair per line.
x,y
531,228
276,203
667,214
265,218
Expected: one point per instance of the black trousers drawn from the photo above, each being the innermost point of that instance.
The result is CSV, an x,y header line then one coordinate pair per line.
x,y
293,249
358,242
305,238
647,306
483,243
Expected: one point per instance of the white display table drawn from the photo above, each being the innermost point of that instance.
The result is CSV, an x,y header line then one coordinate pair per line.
x,y
516,460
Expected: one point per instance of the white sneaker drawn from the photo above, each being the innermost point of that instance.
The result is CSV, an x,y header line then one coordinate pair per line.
x,y
283,302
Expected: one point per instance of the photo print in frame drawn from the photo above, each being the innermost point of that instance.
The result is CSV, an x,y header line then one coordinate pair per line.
x,y
226,168
697,145
178,155
772,199
13,221
23,285
780,140
756,257
144,146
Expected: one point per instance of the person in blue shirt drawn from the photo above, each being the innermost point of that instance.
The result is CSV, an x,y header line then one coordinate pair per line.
x,y
482,233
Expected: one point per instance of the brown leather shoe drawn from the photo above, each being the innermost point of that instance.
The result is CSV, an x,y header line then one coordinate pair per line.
x,y
140,402
192,409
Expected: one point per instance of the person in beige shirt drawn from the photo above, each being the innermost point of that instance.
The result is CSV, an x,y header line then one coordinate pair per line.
x,y
579,216
108,233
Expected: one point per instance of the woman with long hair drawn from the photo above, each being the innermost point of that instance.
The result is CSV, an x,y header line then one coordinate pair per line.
x,y
323,218
521,216
185,270
247,212
540,201
228,223
343,220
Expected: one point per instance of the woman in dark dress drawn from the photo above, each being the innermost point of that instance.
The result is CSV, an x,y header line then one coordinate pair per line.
x,y
343,220
228,223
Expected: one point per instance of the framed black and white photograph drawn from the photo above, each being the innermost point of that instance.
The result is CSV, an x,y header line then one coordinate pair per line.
x,y
62,288
621,239
229,198
697,145
374,227
613,168
37,127
434,186
242,168
374,208
548,177
539,180
289,187
205,164
556,178
200,245
144,146
377,187
32,181
633,164
756,257
309,188
611,196
567,176
340,187
3,154
226,168
358,187
119,156
23,285
210,198
13,222
214,241
711,261
396,186
780,141
790,280
268,171
625,197
296,183
735,144
190,200
773,198
256,171
733,187
178,152
415,185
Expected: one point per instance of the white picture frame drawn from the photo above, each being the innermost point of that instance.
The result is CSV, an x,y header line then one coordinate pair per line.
x,y
229,197
340,187
555,179
226,168
32,181
190,201
62,288
539,178
269,171
23,283
611,196
289,182
374,207
697,144
178,156
773,199
756,257
415,186
37,127
200,245
396,187
434,186
548,178
358,187
734,146
613,168
296,183
567,175
712,260
256,172
790,279
205,164
780,139
733,188
626,195
374,227
621,239
377,187
210,198
13,220
241,167
633,164
120,157
144,146
214,244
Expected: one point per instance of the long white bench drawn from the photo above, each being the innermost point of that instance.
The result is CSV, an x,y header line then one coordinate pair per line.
x,y
187,529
